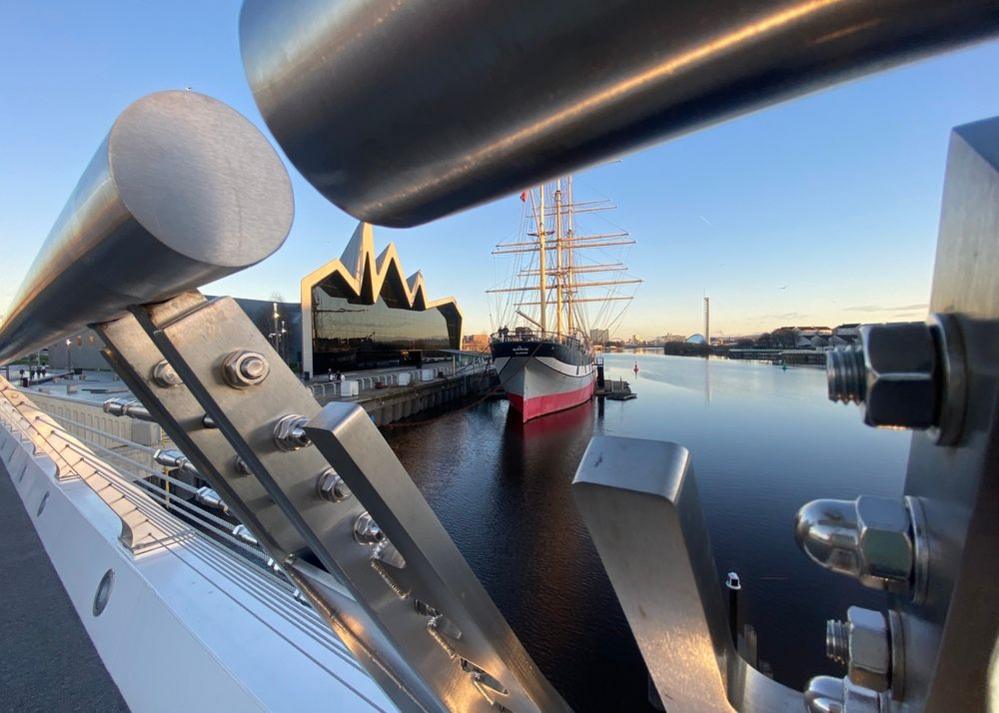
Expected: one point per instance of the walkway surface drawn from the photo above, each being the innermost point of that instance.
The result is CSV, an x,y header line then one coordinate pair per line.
x,y
48,661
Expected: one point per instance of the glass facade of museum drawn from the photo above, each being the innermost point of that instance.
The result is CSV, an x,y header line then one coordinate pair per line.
x,y
349,335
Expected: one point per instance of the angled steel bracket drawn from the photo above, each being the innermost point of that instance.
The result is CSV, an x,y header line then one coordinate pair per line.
x,y
639,500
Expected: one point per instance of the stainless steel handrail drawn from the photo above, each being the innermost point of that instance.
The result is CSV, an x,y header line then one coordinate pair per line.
x,y
181,192
400,113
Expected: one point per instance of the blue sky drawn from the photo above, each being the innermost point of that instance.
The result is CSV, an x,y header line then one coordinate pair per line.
x,y
835,196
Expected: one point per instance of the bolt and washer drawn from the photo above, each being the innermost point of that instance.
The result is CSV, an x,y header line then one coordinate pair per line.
x,y
906,375
242,532
289,432
366,530
242,369
864,644
879,541
331,486
894,372
165,376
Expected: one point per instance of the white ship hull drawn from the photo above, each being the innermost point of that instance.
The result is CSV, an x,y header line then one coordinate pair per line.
x,y
537,382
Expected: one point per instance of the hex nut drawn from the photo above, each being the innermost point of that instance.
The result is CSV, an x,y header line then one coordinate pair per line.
x,y
366,530
242,369
289,433
902,368
885,540
165,376
870,649
860,699
331,486
241,467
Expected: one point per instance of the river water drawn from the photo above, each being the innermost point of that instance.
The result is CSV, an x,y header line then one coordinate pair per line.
x,y
763,441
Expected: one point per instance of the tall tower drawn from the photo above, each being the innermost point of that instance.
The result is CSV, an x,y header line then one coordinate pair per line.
x,y
707,321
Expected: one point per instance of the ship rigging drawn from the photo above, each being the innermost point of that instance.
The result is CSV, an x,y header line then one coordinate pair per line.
x,y
546,361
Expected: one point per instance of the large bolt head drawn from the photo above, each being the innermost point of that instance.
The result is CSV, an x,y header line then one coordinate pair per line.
x,y
902,371
885,540
870,649
241,369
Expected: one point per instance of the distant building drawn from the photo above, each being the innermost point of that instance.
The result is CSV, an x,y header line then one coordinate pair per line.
x,y
360,312
281,323
696,339
847,331
475,343
284,333
82,350
599,336
357,312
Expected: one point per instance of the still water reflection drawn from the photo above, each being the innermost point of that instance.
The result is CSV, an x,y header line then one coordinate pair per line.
x,y
763,441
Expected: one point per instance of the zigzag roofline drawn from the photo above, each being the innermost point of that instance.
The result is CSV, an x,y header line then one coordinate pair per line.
x,y
366,274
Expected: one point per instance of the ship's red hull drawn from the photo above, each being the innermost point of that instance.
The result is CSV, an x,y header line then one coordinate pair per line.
x,y
536,406
541,377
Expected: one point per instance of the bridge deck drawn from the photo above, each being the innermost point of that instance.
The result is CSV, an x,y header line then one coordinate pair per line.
x,y
49,662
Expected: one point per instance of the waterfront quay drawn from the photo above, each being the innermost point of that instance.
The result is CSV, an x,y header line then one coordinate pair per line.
x,y
390,395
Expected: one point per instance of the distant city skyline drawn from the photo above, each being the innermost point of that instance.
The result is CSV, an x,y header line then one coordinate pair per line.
x,y
822,211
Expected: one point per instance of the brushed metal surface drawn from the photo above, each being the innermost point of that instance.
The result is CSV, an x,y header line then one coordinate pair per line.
x,y
401,112
423,674
949,639
640,503
182,191
133,356
434,571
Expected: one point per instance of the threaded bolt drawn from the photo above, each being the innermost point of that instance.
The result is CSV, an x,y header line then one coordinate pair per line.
x,y
254,368
289,432
165,376
241,369
331,486
838,641
366,530
846,374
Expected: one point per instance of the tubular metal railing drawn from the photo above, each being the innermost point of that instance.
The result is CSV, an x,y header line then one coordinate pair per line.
x,y
320,491
199,531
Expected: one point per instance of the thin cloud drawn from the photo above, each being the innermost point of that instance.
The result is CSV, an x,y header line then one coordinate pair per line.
x,y
884,308
784,315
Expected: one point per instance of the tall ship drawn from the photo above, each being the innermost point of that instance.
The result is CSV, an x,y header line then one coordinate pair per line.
x,y
556,304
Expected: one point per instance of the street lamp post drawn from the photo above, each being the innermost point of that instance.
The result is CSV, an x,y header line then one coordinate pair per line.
x,y
69,357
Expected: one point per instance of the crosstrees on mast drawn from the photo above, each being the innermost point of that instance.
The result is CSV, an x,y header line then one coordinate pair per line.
x,y
578,285
619,298
585,269
550,249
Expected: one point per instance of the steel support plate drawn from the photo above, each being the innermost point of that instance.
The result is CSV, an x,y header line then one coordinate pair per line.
x,y
949,638
134,357
196,340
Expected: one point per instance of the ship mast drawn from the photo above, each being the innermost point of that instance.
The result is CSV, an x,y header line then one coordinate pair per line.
x,y
570,268
542,263
559,274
